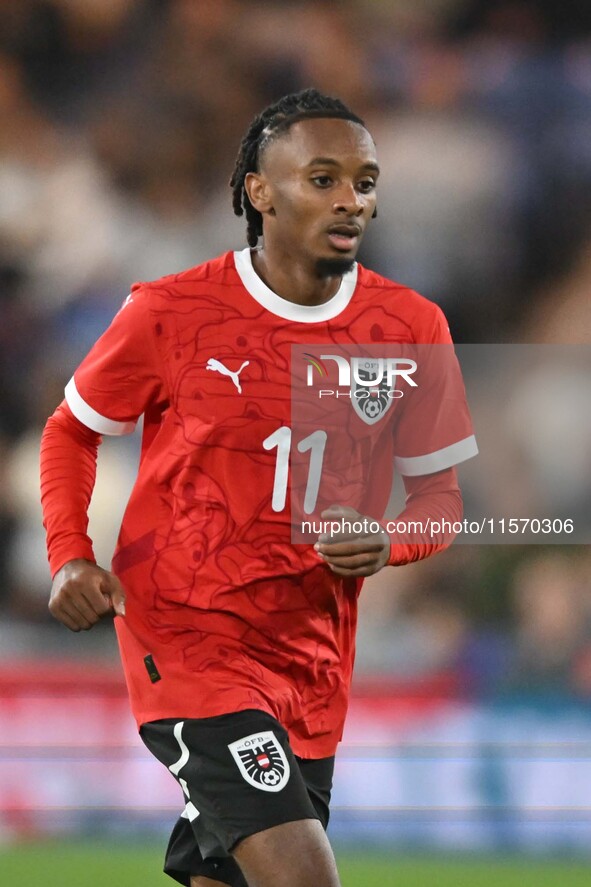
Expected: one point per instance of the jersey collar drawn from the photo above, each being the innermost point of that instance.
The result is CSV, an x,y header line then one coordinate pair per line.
x,y
259,290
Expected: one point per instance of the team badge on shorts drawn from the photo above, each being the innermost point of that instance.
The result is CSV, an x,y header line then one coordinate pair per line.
x,y
262,761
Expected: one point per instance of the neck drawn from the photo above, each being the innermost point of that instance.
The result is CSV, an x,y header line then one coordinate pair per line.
x,y
291,279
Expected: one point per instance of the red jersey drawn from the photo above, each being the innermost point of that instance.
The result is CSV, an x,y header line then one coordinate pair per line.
x,y
232,613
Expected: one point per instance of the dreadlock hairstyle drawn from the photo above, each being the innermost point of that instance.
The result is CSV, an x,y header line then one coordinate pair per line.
x,y
272,122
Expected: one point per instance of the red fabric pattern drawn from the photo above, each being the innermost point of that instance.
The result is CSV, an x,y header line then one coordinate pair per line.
x,y
68,473
431,497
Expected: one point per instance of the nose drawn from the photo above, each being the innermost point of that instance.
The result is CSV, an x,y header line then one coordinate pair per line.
x,y
349,201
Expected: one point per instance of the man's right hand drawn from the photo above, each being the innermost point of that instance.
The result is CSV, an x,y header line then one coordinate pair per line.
x,y
83,593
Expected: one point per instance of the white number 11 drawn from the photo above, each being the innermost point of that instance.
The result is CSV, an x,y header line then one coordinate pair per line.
x,y
282,440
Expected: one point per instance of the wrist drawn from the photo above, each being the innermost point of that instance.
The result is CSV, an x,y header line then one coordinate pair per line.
x,y
72,564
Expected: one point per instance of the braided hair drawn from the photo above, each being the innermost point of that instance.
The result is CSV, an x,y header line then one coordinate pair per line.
x,y
275,120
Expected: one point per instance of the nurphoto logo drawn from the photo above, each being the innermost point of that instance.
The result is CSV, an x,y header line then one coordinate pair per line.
x,y
367,381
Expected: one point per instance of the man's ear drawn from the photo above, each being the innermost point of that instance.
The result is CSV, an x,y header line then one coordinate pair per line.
x,y
258,189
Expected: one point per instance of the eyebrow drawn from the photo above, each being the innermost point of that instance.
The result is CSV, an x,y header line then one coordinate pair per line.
x,y
329,161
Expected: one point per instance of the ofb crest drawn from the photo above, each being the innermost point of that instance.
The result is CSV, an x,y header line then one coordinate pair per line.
x,y
371,389
262,761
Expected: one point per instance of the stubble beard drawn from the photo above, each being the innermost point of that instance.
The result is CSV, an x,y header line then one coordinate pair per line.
x,y
333,267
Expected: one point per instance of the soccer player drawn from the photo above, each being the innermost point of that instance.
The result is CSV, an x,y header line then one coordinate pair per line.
x,y
238,645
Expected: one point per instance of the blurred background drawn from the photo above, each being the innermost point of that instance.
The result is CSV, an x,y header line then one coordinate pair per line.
x,y
470,723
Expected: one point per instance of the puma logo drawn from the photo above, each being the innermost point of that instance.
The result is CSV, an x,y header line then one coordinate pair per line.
x,y
218,367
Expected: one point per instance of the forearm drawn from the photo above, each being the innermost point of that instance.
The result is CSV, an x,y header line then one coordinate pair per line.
x,y
430,499
68,473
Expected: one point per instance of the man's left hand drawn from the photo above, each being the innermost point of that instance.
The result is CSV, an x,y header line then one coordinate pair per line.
x,y
356,544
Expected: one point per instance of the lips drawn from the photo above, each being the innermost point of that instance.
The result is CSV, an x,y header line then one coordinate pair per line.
x,y
344,237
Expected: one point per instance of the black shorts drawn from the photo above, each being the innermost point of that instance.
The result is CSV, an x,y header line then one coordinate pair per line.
x,y
239,776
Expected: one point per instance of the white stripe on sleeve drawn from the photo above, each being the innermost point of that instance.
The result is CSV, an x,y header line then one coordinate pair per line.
x,y
414,466
89,417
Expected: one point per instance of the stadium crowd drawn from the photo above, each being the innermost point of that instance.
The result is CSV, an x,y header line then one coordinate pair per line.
x,y
119,124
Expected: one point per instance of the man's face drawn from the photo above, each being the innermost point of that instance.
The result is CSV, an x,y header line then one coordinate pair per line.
x,y
320,180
